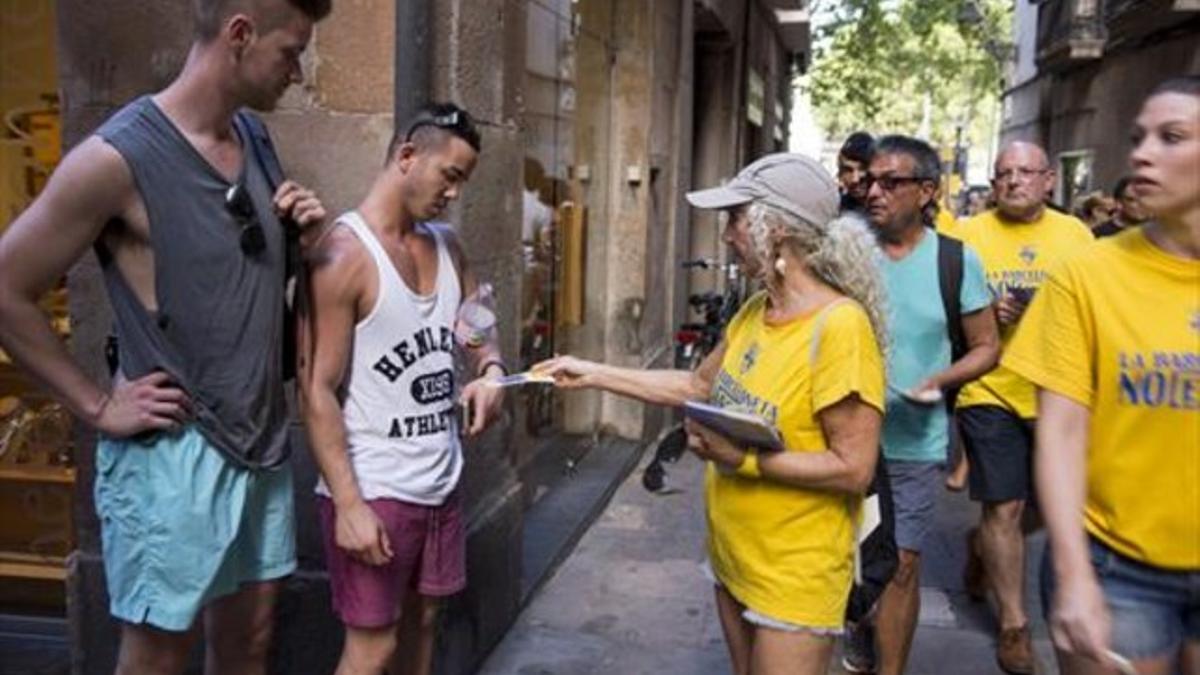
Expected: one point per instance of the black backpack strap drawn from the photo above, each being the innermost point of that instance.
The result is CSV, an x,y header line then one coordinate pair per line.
x,y
264,149
264,152
950,278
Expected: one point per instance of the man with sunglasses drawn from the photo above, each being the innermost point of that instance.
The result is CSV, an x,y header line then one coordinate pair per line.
x,y
1018,241
173,193
901,190
380,391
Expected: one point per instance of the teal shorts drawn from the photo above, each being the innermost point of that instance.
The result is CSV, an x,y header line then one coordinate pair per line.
x,y
182,526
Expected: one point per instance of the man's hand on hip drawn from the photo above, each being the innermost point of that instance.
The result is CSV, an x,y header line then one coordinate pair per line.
x,y
150,403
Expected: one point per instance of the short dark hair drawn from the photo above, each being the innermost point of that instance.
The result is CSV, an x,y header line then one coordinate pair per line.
x,y
928,164
858,147
1121,186
435,120
207,15
1184,84
1087,205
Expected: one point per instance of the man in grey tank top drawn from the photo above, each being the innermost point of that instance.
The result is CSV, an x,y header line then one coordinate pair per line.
x,y
379,393
175,192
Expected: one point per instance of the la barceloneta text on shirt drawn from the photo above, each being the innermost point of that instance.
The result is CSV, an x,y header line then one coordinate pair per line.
x,y
1004,281
1160,379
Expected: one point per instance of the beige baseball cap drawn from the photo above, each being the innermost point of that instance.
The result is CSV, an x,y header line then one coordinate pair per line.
x,y
793,183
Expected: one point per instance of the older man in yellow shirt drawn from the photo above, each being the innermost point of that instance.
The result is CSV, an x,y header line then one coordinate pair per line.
x,y
1017,241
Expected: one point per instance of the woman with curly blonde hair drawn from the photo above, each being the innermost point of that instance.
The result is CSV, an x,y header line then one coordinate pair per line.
x,y
804,355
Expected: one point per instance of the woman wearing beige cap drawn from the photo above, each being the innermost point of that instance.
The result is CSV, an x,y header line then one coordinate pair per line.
x,y
804,355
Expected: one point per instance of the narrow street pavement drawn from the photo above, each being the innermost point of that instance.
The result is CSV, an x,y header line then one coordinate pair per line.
x,y
631,598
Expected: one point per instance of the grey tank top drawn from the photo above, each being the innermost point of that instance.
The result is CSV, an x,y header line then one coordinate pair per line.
x,y
218,331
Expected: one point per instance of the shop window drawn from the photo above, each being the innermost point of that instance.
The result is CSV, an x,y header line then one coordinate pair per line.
x,y
565,124
1074,176
37,472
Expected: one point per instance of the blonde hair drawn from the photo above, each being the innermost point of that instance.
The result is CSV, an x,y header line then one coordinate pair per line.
x,y
843,254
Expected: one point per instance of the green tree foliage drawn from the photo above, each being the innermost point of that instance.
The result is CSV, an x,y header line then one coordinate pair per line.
x,y
883,65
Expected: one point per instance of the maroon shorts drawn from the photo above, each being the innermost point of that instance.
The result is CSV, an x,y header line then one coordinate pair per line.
x,y
428,555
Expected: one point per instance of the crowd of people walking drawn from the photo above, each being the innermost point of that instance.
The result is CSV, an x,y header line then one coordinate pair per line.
x,y
1067,369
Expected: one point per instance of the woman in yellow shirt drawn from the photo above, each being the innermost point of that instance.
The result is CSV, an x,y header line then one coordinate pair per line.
x,y
804,355
1112,342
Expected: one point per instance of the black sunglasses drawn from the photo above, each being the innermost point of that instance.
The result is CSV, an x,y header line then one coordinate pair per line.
x,y
669,451
238,203
889,183
448,121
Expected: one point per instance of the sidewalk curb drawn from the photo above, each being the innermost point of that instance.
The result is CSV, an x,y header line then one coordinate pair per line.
x,y
555,524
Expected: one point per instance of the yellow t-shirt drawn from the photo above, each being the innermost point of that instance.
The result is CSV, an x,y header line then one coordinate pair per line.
x,y
1117,329
945,222
784,551
1016,254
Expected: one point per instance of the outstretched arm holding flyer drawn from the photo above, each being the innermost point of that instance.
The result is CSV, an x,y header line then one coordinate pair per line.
x,y
661,387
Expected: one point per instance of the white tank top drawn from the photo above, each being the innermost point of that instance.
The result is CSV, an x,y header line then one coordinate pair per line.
x,y
399,394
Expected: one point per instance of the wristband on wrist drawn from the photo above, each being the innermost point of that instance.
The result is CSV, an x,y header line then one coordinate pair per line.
x,y
492,362
749,466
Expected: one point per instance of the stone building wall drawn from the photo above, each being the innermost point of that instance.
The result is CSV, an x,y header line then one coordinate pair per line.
x,y
1091,107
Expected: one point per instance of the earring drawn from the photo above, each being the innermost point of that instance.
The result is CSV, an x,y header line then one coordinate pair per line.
x,y
780,266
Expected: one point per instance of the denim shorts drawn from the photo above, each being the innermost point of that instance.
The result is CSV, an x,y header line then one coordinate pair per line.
x,y
1154,611
762,620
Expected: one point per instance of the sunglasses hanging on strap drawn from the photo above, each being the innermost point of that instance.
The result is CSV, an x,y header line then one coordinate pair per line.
x,y
264,152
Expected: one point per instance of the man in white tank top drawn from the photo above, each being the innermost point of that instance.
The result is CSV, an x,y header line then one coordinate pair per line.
x,y
378,387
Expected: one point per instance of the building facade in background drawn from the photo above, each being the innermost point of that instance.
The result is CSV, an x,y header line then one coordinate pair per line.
x,y
1082,69
597,116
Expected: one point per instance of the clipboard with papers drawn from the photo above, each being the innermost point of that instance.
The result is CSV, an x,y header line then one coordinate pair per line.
x,y
743,428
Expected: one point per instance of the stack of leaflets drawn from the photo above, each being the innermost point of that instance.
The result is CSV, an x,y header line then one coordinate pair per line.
x,y
743,428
